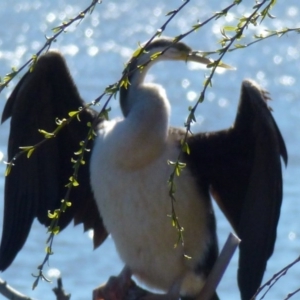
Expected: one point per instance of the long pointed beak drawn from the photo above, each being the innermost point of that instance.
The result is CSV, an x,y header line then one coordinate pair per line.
x,y
197,56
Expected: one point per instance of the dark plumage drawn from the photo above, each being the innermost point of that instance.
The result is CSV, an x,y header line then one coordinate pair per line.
x,y
37,185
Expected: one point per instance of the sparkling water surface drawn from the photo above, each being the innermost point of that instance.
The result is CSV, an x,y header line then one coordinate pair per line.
x,y
96,50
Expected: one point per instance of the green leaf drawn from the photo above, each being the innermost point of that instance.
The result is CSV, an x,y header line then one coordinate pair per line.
x,y
178,167
174,224
74,181
181,164
155,55
8,168
172,12
47,135
73,113
177,170
229,28
54,215
191,117
185,147
171,163
211,65
57,29
78,152
141,67
65,205
68,185
48,250
33,63
74,161
111,89
28,149
11,75
240,46
125,83
196,26
200,100
138,52
55,230
207,82
30,152
60,122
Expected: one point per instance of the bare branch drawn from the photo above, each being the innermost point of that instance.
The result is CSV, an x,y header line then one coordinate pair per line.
x,y
10,293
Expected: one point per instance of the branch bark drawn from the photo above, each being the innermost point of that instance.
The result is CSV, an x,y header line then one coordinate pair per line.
x,y
10,293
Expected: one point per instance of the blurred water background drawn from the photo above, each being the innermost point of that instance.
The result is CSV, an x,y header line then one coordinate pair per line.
x,y
96,50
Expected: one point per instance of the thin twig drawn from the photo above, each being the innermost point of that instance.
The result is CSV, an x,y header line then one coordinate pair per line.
x,y
49,40
270,283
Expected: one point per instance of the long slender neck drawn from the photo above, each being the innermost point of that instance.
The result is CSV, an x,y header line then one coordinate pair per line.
x,y
146,110
137,70
136,77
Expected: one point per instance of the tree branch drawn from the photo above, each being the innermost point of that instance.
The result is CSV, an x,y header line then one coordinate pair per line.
x,y
10,293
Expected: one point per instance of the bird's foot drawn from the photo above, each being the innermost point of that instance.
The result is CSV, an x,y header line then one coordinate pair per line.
x,y
116,288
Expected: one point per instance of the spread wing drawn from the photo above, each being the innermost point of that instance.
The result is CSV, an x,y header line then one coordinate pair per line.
x,y
37,184
242,168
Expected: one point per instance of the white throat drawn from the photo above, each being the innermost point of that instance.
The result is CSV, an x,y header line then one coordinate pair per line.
x,y
141,137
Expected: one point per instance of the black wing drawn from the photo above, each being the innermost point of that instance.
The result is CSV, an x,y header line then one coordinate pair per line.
x,y
242,168
37,184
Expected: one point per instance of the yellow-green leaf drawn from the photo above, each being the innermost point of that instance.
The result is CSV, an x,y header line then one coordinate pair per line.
x,y
155,55
8,169
137,52
73,160
125,83
55,230
78,152
73,113
30,151
53,215
229,28
74,181
48,250
47,135
185,147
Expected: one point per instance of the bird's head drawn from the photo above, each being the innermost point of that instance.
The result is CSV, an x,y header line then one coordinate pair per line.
x,y
166,48
149,53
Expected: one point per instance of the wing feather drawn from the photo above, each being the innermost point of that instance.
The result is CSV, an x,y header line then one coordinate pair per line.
x,y
37,184
242,168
